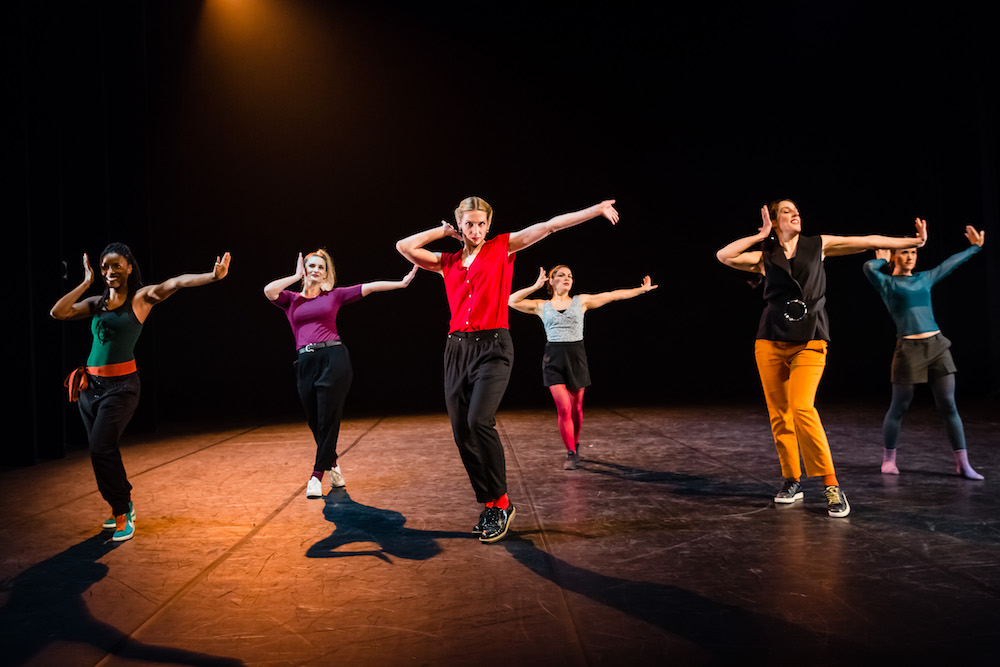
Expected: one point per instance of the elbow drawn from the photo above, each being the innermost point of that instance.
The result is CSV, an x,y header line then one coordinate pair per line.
x,y
403,249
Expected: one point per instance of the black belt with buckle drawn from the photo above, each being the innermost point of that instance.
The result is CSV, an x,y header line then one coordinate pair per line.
x,y
312,347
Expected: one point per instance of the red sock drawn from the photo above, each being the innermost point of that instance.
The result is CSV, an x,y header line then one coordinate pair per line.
x,y
318,474
503,502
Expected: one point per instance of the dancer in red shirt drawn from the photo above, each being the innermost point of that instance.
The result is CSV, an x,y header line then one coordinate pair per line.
x,y
479,353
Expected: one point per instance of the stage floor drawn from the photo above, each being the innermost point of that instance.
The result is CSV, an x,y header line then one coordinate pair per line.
x,y
663,548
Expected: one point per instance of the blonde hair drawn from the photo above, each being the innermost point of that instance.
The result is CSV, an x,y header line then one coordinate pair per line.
x,y
331,272
473,204
552,271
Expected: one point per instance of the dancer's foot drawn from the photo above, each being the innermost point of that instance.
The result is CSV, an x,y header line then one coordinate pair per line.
x,y
497,522
836,502
791,491
336,478
124,528
111,524
572,461
962,466
889,462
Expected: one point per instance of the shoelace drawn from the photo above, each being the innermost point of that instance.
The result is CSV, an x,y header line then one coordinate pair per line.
x,y
833,495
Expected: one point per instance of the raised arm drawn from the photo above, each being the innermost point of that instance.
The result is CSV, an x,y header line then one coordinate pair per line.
x,y
738,254
69,306
518,300
274,288
388,285
835,246
150,295
535,233
592,301
412,247
976,241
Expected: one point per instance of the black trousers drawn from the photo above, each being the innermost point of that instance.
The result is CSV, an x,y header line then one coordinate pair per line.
x,y
324,377
107,406
477,369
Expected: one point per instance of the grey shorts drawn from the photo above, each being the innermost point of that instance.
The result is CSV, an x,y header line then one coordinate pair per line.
x,y
917,359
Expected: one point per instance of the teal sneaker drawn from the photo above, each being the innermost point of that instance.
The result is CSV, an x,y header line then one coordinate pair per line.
x,y
109,524
124,528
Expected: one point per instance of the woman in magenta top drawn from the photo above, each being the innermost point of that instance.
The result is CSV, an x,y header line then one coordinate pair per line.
x,y
324,366
479,352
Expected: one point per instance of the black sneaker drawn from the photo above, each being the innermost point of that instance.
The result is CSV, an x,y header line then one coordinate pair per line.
x,y
836,502
497,522
481,525
791,491
572,461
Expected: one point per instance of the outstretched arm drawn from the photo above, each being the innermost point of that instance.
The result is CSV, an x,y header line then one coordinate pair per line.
x,y
592,301
150,295
976,241
70,307
274,288
518,300
835,246
535,233
738,254
412,247
388,285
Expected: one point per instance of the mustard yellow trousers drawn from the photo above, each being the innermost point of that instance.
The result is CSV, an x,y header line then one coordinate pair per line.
x,y
790,375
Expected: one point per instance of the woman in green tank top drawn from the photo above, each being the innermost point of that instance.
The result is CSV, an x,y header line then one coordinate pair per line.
x,y
108,386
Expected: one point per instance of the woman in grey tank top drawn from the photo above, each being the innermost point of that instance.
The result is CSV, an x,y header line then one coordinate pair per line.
x,y
564,366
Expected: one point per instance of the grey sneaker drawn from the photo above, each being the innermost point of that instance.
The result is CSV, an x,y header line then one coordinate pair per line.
x,y
791,491
836,502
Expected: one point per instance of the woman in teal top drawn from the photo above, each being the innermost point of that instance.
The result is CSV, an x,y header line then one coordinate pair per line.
x,y
108,386
921,353
564,366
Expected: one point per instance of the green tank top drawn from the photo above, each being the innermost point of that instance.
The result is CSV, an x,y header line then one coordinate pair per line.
x,y
115,334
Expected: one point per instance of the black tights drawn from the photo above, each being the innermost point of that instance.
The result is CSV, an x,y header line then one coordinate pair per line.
x,y
943,389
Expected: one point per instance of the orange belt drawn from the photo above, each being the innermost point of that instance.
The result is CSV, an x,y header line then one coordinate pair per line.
x,y
76,381
113,370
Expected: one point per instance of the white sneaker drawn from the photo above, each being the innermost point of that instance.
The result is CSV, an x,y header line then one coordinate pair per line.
x,y
336,479
314,489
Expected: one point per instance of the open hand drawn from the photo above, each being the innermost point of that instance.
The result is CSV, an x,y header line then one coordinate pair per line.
x,y
607,209
221,269
975,238
765,222
921,232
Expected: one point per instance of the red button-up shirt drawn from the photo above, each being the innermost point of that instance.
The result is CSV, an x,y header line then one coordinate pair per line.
x,y
478,295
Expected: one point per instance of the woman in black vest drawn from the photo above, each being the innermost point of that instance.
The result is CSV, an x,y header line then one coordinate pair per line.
x,y
793,334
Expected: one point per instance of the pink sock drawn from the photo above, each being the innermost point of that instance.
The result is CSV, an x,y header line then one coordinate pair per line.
x,y
889,462
962,466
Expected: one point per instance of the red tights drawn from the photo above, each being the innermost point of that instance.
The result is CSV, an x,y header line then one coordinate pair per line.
x,y
569,407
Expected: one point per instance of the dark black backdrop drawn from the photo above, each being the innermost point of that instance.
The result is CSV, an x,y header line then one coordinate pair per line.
x,y
267,128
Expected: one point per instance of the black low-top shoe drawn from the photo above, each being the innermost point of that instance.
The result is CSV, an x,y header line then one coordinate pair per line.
x,y
497,523
481,525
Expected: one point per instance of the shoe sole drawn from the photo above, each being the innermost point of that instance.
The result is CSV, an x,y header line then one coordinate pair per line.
x,y
123,538
789,501
506,526
840,514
